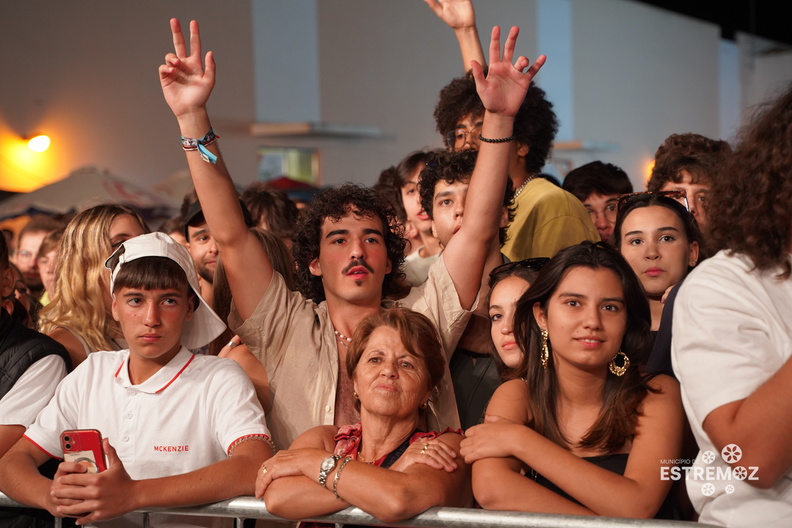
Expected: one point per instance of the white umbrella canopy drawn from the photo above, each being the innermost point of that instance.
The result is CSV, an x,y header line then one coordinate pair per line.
x,y
83,188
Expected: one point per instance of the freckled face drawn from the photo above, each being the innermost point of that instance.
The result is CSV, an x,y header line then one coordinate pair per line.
x,y
152,320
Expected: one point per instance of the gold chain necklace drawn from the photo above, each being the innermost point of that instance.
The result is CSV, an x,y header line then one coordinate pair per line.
x,y
521,187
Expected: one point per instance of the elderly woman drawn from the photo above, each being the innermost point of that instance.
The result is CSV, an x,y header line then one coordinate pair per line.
x,y
386,465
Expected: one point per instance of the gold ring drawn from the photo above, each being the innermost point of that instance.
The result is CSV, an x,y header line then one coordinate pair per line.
x,y
425,447
263,469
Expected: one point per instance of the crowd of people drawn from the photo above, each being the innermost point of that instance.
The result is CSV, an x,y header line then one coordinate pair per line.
x,y
467,333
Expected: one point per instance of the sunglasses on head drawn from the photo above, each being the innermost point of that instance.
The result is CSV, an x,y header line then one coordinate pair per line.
x,y
625,200
535,264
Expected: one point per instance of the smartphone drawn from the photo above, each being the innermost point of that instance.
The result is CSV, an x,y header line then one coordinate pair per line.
x,y
84,446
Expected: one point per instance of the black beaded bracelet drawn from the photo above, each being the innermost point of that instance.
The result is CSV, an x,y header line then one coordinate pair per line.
x,y
499,140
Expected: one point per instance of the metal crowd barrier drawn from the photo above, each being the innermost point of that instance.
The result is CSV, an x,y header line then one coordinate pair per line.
x,y
242,508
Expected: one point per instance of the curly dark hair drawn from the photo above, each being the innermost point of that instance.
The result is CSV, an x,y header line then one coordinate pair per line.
x,y
701,157
535,124
334,204
452,167
272,207
597,177
749,208
622,396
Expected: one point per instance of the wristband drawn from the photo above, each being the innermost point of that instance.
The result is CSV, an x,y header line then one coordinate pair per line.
x,y
498,140
346,461
200,145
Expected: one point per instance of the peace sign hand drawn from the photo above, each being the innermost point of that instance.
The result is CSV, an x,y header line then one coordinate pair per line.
x,y
186,84
503,90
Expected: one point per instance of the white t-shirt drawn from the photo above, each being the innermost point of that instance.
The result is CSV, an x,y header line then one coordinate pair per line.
x,y
32,391
183,418
732,332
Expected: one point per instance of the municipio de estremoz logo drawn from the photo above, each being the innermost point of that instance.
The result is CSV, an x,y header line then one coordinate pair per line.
x,y
731,454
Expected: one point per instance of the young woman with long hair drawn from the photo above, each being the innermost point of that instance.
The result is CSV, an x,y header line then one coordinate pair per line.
x,y
78,315
579,429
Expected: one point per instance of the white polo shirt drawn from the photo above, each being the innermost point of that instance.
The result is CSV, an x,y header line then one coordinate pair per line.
x,y
184,417
732,332
32,391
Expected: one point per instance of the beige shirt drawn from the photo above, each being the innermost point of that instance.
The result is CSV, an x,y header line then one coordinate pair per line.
x,y
294,339
547,219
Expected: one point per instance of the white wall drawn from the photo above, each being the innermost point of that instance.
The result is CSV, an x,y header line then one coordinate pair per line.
x,y
85,71
641,74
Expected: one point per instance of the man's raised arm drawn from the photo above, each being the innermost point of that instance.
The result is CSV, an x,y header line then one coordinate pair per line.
x,y
186,85
460,16
502,92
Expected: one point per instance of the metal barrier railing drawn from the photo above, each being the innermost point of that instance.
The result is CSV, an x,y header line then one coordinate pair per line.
x,y
252,508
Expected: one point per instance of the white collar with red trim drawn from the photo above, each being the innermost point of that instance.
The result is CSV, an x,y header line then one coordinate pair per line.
x,y
161,379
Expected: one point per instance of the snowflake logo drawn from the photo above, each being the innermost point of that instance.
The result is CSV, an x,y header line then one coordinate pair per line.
x,y
708,457
707,489
731,453
729,489
740,473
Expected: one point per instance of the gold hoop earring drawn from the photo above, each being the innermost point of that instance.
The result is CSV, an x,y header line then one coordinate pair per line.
x,y
616,369
545,357
355,395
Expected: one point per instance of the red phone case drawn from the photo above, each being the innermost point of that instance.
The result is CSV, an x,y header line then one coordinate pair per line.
x,y
84,446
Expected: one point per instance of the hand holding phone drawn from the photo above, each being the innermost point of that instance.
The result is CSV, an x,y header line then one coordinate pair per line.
x,y
84,446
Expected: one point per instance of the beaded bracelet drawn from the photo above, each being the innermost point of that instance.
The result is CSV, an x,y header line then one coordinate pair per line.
x,y
346,461
498,140
200,145
263,438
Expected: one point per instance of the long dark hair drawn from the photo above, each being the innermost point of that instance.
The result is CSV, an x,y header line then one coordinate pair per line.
x,y
621,396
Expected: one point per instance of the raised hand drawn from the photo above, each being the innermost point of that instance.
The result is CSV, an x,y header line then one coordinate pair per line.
x,y
456,13
503,89
186,83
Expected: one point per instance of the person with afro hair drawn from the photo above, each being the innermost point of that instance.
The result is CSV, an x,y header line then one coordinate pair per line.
x,y
547,218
